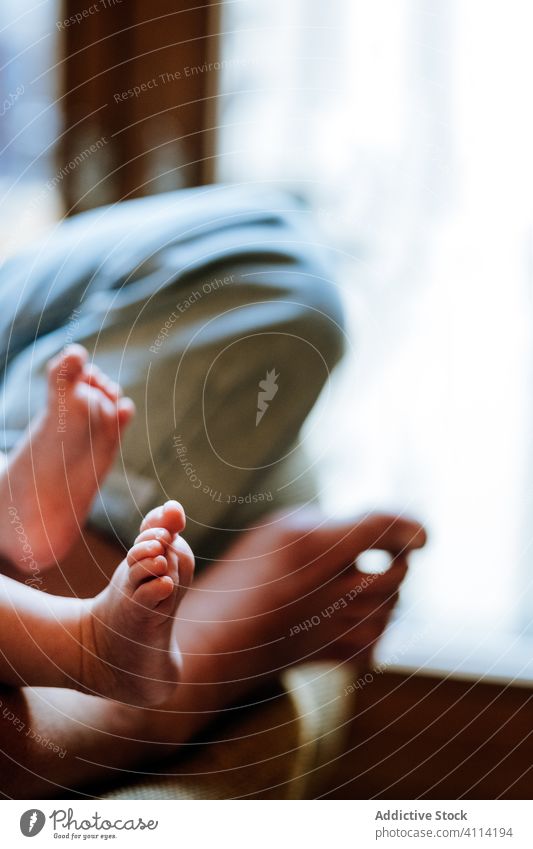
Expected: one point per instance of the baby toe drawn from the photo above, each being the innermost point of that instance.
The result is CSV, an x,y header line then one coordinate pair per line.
x,y
171,516
96,378
141,550
152,519
155,533
149,567
125,411
67,365
151,593
183,552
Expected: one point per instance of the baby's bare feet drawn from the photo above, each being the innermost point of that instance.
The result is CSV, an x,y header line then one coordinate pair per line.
x,y
285,593
50,479
129,651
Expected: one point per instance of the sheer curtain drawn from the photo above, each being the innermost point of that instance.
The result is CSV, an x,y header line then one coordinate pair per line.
x,y
407,125
29,119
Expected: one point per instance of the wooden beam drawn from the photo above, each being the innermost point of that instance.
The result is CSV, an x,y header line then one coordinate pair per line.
x,y
137,79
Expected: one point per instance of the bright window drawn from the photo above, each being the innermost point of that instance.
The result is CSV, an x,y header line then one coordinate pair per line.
x,y
29,120
407,124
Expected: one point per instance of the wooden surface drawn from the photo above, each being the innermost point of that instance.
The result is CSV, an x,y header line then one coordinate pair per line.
x,y
423,737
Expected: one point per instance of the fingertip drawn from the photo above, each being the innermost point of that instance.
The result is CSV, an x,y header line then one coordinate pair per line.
x,y
404,532
415,536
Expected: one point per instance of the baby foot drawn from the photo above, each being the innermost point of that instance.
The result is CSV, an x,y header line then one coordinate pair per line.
x,y
129,651
50,479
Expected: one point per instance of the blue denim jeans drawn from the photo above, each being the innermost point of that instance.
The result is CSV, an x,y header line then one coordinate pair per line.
x,y
216,311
